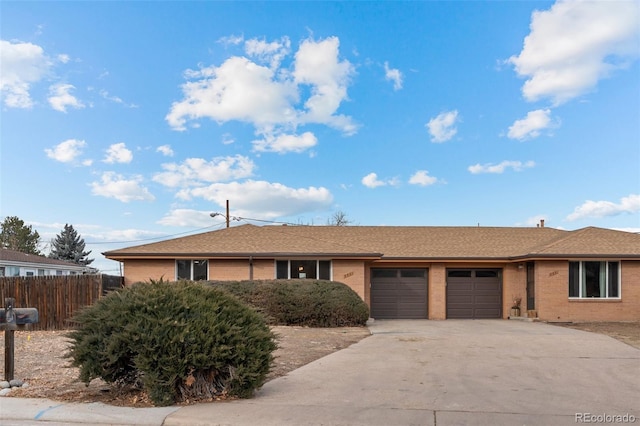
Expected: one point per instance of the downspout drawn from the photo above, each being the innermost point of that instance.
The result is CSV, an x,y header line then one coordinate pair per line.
x,y
251,268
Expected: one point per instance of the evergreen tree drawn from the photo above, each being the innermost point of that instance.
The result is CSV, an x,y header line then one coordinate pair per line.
x,y
15,235
69,246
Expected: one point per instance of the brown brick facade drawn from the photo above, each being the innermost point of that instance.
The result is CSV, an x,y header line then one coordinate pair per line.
x,y
553,303
145,270
551,284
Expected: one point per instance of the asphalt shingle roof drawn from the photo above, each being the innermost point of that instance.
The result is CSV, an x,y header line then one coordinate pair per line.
x,y
393,242
16,256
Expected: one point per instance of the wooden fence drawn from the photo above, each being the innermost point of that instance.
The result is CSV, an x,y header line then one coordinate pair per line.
x,y
57,298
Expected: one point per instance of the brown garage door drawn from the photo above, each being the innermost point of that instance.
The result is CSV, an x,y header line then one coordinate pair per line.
x,y
474,293
398,293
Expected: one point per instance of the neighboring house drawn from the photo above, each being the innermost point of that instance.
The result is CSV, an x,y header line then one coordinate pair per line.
x,y
420,272
16,264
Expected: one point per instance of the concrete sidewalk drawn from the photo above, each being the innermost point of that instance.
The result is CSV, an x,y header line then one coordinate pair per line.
x,y
28,411
414,373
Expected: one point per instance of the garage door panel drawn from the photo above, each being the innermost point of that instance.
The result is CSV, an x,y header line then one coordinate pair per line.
x,y
459,313
487,299
486,313
474,294
398,293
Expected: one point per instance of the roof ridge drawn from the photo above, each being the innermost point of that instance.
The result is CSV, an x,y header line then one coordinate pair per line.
x,y
327,241
560,239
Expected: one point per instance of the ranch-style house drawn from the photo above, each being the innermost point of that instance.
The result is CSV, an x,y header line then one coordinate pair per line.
x,y
434,272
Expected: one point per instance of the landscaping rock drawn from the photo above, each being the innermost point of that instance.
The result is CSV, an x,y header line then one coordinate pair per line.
x,y
4,385
5,391
15,383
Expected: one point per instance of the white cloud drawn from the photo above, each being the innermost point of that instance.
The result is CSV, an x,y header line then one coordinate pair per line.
x,y
269,97
531,125
118,153
263,200
116,99
317,65
236,90
60,97
165,150
113,185
197,171
632,230
393,74
187,218
64,58
231,40
271,53
227,139
517,166
422,178
67,151
595,209
21,65
574,44
285,143
442,128
371,181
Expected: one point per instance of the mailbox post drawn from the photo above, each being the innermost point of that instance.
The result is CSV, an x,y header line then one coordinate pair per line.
x,y
12,319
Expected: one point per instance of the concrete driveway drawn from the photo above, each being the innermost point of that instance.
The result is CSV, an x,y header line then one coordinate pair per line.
x,y
454,372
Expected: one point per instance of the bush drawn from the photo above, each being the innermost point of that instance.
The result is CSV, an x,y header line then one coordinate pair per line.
x,y
179,341
311,303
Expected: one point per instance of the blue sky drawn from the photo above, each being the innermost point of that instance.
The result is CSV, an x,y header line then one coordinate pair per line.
x,y
133,121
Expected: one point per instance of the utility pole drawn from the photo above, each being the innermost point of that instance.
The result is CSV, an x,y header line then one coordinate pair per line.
x,y
227,216
227,213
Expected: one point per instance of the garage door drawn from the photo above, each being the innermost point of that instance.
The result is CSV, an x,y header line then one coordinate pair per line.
x,y
398,293
474,293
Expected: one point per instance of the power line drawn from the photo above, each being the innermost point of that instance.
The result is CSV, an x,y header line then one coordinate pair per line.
x,y
218,225
153,238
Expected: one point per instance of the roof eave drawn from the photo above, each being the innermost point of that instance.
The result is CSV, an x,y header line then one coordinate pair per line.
x,y
200,255
577,256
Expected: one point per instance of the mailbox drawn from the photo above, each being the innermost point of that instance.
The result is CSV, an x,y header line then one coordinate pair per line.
x,y
12,318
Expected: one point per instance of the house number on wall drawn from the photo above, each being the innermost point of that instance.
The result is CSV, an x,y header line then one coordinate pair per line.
x,y
553,273
347,275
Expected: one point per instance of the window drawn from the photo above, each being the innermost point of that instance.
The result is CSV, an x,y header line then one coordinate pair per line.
x,y
594,279
194,270
12,271
314,269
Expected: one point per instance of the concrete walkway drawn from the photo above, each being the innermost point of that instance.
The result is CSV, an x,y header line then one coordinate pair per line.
x,y
422,373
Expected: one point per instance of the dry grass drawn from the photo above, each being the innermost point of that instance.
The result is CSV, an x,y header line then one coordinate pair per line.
x,y
40,361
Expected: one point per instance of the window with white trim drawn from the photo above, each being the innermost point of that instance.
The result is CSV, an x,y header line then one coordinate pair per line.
x,y
195,270
594,279
314,269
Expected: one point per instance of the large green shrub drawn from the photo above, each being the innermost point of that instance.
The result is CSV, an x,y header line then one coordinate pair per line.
x,y
311,303
179,341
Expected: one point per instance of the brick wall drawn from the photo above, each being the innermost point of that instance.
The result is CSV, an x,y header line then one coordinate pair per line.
x,y
352,273
264,269
145,270
553,303
514,284
437,291
228,270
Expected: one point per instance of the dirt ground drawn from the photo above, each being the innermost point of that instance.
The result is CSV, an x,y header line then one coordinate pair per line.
x,y
39,359
627,332
40,362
